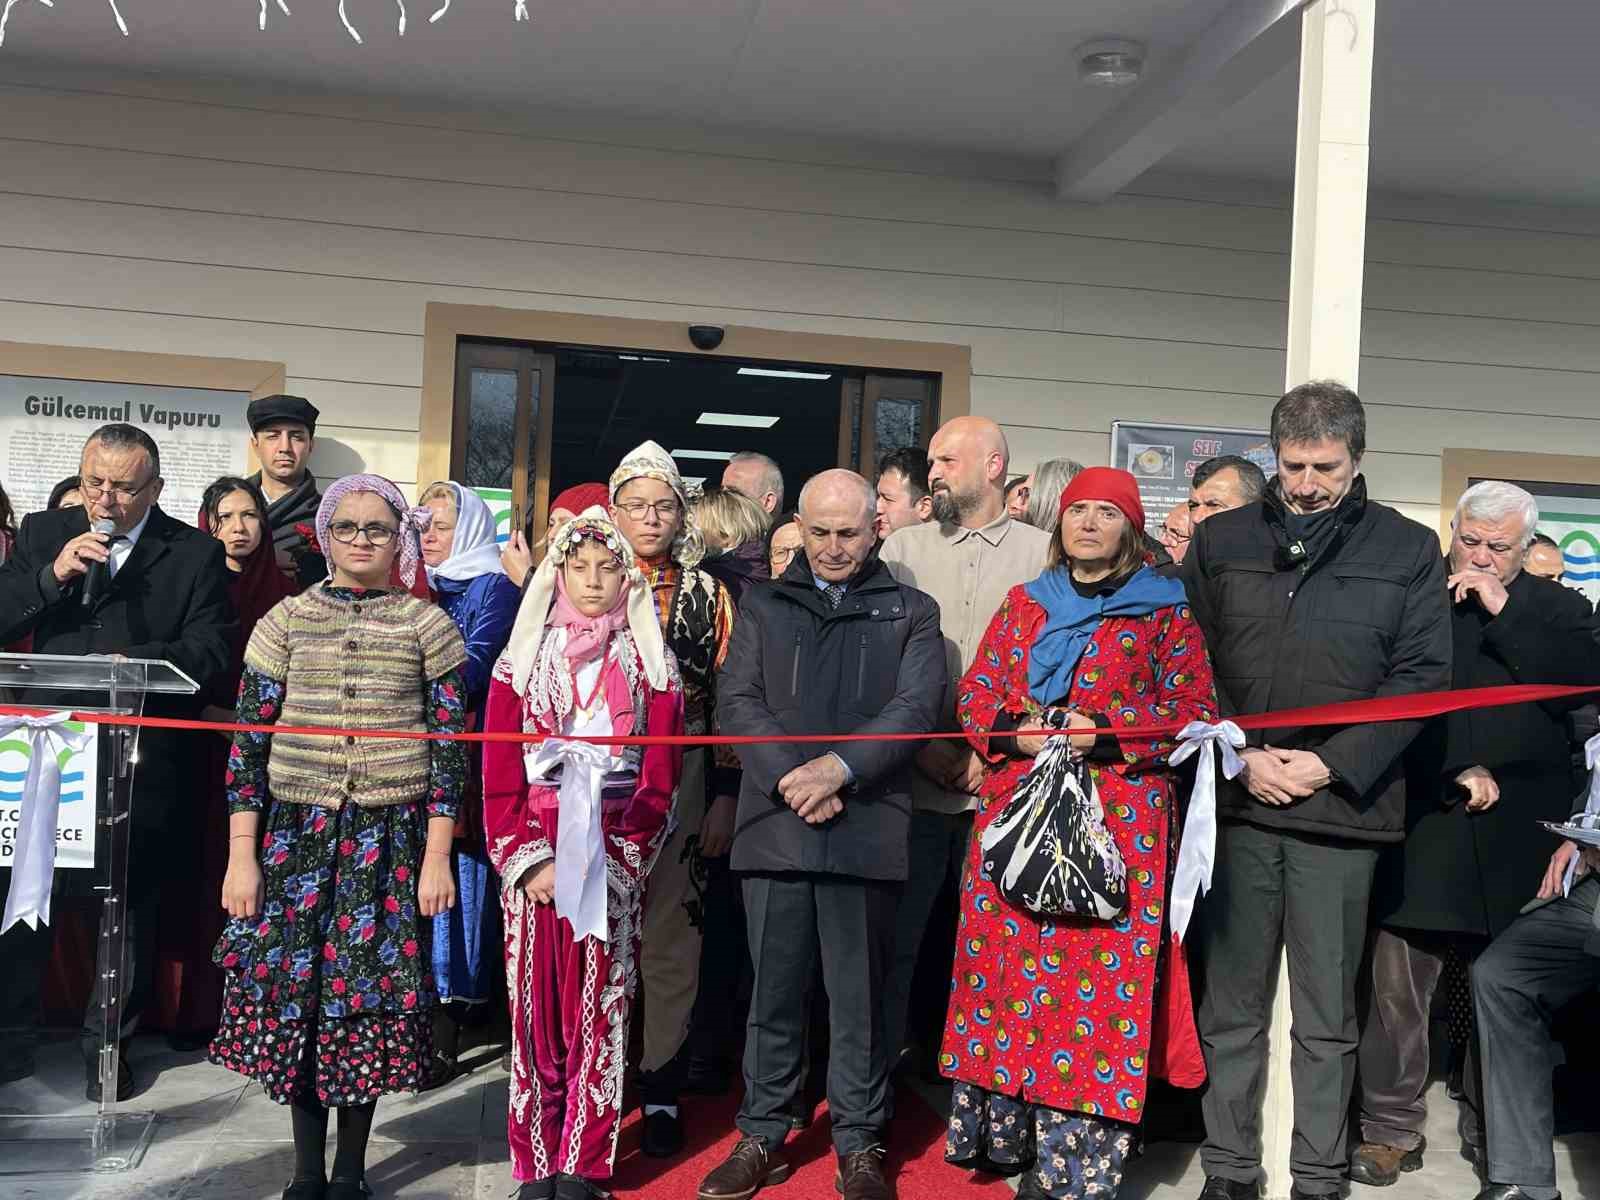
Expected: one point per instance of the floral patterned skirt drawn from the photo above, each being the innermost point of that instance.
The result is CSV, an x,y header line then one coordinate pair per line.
x,y
328,990
1071,1155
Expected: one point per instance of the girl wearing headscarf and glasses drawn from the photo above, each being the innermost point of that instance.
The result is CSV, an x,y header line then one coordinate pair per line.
x,y
339,846
573,830
462,557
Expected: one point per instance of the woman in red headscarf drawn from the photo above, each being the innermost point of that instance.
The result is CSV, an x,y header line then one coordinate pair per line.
x,y
188,985
1055,1023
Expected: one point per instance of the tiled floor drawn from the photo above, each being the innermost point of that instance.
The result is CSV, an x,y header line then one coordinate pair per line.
x,y
217,1138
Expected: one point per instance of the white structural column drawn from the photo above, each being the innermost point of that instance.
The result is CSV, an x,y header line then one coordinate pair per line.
x,y
1325,273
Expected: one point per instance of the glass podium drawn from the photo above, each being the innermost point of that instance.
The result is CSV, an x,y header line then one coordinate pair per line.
x,y
52,1132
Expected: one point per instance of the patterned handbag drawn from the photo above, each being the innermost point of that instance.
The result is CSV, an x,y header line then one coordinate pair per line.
x,y
1048,850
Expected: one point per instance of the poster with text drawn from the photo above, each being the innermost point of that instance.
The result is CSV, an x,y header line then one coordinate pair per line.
x,y
1570,514
1164,457
75,824
44,423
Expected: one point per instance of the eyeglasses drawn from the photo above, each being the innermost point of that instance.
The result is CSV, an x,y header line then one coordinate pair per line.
x,y
784,556
93,489
665,510
377,534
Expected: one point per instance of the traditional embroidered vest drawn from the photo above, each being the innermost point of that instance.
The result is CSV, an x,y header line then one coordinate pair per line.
x,y
352,664
696,621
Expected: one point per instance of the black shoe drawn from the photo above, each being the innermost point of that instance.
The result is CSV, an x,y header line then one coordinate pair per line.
x,y
1297,1193
1028,1188
538,1189
663,1135
575,1187
1218,1188
306,1189
347,1189
1505,1191
91,1088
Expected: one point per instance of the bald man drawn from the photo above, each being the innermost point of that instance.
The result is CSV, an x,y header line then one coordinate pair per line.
x,y
967,558
834,644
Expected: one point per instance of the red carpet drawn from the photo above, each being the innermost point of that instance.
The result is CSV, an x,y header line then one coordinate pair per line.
x,y
916,1157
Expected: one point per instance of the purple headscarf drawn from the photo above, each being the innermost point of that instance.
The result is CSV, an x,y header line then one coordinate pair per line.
x,y
410,547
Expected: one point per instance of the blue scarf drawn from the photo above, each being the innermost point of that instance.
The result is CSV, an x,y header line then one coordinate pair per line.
x,y
1071,619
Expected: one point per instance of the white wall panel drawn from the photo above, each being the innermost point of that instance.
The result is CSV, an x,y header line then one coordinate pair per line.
x,y
178,224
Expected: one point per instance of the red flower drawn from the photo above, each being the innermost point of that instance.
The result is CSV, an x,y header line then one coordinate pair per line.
x,y
328,952
230,959
261,970
409,949
355,1001
448,691
344,922
390,904
338,986
441,714
347,847
386,984
401,874
267,710
309,533
409,1000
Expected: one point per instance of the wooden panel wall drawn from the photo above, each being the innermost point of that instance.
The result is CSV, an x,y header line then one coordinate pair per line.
x,y
150,218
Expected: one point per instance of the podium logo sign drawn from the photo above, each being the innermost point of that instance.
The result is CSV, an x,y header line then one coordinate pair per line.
x,y
75,823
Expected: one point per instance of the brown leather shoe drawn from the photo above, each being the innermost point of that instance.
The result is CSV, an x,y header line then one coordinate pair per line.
x,y
860,1176
748,1169
1378,1165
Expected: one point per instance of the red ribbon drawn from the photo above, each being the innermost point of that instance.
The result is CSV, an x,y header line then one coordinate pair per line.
x,y
1415,707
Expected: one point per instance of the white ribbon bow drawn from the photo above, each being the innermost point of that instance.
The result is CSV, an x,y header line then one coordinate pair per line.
x,y
1197,850
580,843
33,867
1591,807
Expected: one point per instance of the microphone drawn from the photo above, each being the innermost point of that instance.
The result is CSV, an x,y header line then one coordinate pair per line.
x,y
98,577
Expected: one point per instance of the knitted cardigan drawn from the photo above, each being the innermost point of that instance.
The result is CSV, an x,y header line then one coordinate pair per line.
x,y
362,664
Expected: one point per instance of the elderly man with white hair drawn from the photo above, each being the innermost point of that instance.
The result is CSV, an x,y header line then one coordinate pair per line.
x,y
1474,850
835,643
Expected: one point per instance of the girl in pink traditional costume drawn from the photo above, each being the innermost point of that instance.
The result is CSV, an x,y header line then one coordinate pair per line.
x,y
573,829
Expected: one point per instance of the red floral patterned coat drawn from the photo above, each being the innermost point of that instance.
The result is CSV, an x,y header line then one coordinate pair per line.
x,y
1064,1013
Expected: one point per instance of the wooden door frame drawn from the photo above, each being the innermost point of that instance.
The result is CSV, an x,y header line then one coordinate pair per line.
x,y
444,325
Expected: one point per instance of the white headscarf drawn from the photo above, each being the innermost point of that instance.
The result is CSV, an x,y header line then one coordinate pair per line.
x,y
475,551
529,630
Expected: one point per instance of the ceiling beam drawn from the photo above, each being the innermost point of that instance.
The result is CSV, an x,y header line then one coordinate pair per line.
x,y
1249,42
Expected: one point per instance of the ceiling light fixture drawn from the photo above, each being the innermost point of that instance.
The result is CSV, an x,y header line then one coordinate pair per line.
x,y
737,420
1110,62
721,455
774,373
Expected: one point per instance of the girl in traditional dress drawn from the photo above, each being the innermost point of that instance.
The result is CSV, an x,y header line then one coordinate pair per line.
x,y
573,830
329,988
1051,1034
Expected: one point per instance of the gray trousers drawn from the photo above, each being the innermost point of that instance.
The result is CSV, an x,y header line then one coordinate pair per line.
x,y
789,917
936,854
1308,895
1545,959
1406,966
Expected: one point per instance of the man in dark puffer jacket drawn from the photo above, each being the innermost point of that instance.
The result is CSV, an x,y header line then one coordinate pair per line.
x,y
1313,595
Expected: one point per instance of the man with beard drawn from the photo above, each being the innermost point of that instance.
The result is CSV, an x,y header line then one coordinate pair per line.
x,y
967,558
283,432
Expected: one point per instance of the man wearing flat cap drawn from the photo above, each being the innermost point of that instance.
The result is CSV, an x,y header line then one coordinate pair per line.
x,y
282,433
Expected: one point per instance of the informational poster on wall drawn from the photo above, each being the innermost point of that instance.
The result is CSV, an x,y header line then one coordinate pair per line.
x,y
500,504
1569,513
44,423
75,824
1163,458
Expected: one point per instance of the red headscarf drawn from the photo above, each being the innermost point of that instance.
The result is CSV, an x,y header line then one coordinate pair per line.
x,y
581,497
1108,484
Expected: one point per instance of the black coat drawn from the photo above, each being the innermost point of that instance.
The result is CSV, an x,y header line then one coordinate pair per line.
x,y
1464,872
873,665
168,601
1364,616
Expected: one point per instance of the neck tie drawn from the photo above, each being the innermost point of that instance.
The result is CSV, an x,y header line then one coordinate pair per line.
x,y
117,539
835,593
